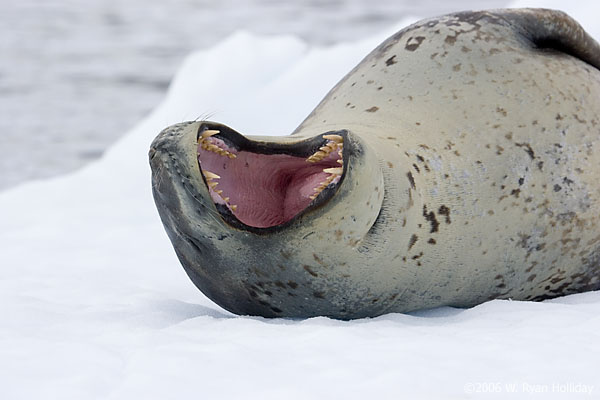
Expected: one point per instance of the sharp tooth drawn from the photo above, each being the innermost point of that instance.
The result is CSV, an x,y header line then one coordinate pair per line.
x,y
233,207
318,156
209,132
335,171
226,199
314,196
335,138
231,155
212,184
218,192
214,148
326,149
340,162
210,175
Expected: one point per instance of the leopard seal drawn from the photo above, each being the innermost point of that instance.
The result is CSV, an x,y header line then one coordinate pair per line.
x,y
457,163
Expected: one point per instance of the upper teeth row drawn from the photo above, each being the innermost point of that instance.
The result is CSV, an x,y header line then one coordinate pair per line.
x,y
334,142
207,145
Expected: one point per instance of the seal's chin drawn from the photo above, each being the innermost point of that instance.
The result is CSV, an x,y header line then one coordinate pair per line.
x,y
264,185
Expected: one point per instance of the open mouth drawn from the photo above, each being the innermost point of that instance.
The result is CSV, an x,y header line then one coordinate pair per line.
x,y
268,185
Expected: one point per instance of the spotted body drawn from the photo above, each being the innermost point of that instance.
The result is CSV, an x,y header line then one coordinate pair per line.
x,y
468,172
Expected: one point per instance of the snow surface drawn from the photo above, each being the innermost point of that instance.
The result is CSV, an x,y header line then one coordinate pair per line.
x,y
94,304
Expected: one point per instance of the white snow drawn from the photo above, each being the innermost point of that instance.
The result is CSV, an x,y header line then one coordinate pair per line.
x,y
94,303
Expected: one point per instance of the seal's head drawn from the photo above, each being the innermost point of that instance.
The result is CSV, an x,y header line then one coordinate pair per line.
x,y
249,216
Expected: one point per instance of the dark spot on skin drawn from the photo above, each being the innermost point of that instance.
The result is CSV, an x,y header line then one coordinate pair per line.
x,y
411,179
268,293
521,180
280,284
264,303
445,211
430,217
431,241
450,39
319,295
456,67
420,158
292,284
531,277
557,188
310,271
540,246
413,43
523,239
527,149
380,87
372,109
275,309
391,61
465,49
515,192
567,181
417,168
412,241
417,256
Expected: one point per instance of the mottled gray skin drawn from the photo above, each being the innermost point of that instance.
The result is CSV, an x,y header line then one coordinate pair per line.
x,y
472,176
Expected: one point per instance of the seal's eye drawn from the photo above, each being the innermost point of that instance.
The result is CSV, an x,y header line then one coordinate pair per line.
x,y
264,190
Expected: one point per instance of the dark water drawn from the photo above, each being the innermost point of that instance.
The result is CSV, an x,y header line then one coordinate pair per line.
x,y
76,75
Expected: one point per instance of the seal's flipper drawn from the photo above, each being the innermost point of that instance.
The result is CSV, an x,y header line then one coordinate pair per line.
x,y
553,29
